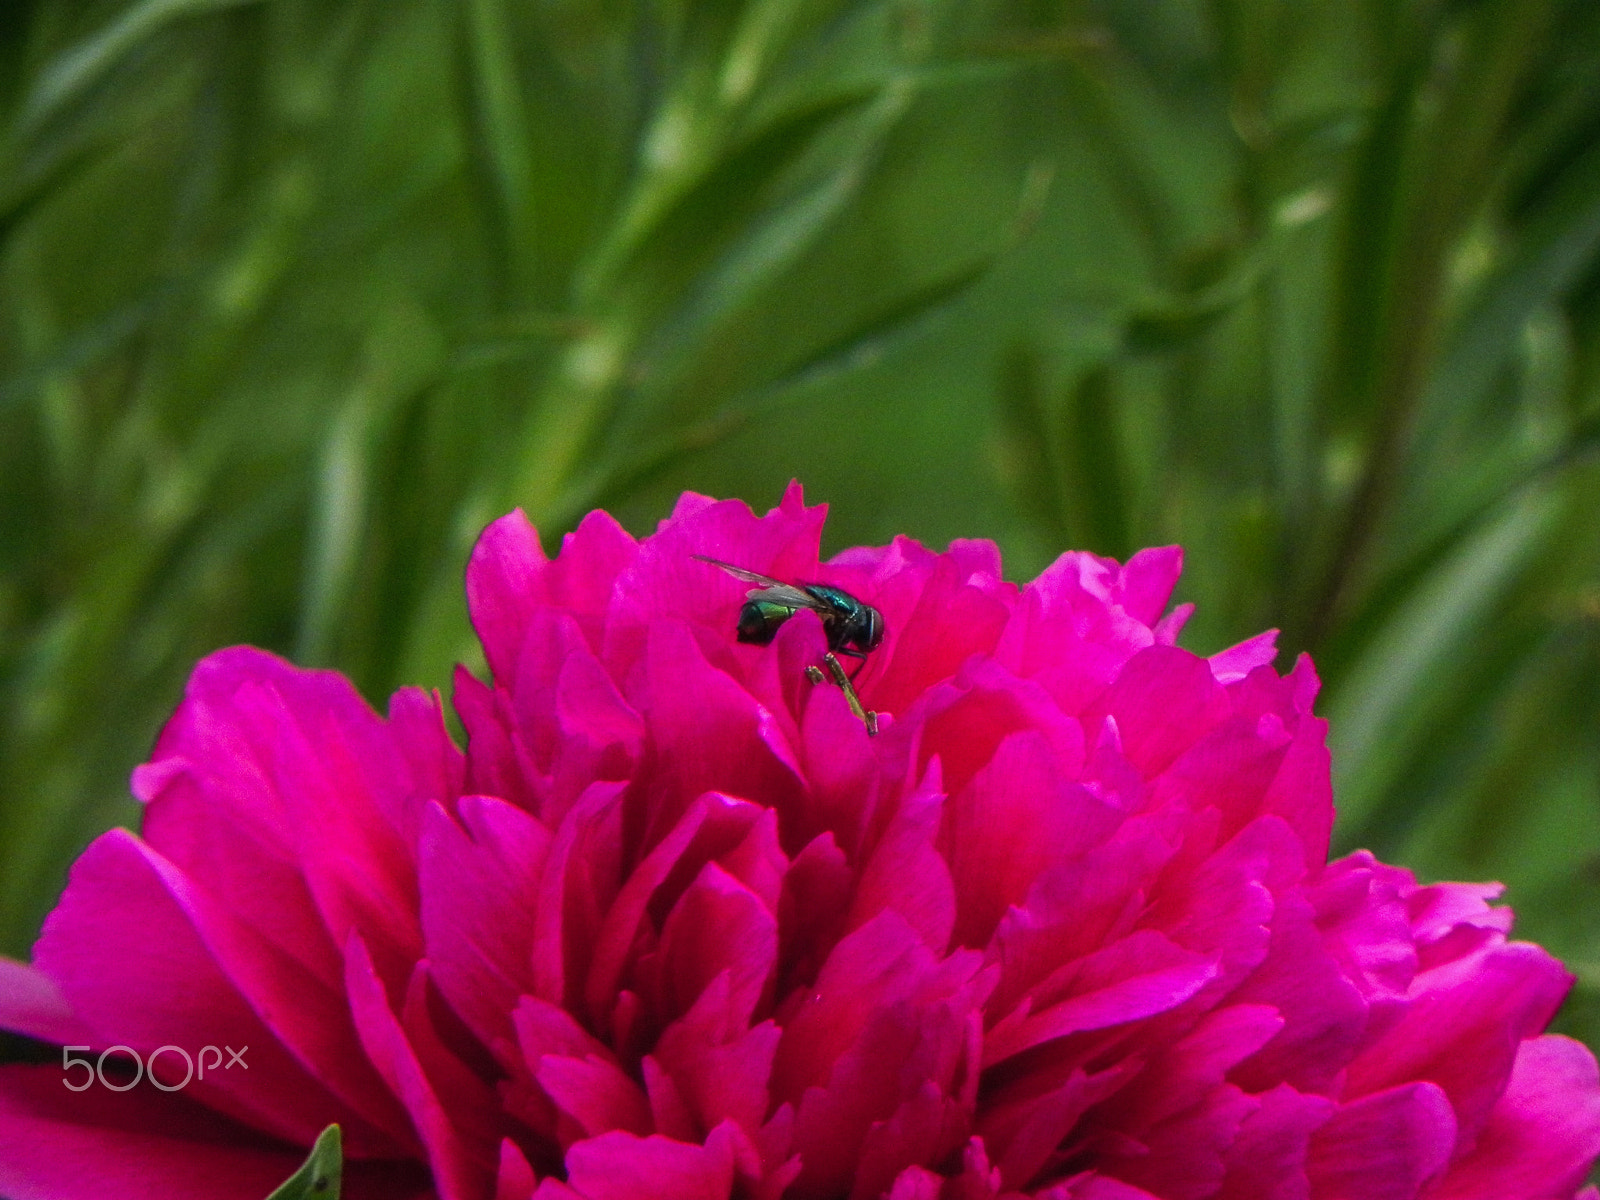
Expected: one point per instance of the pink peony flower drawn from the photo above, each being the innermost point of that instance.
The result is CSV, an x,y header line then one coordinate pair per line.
x,y
675,926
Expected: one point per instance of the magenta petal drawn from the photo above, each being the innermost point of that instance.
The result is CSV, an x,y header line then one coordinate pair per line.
x,y
1302,791
883,963
503,585
621,1166
574,892
543,1028
282,792
146,960
32,1005
710,826
1018,816
1101,1187
479,888
516,1179
1385,1146
719,928
1490,1001
916,1183
595,1093
678,926
718,743
1542,1135
1191,1071
455,1173
967,719
718,1069
1025,1133
906,873
60,1145
1324,1016
1164,701
1184,1156
1137,977
1267,1161
952,621
1148,579
1234,663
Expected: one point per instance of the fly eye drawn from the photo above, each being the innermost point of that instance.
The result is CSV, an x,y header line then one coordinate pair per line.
x,y
874,629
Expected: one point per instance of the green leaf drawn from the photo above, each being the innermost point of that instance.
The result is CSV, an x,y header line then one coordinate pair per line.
x,y
500,125
319,1176
1389,699
1554,250
770,245
863,346
683,222
77,69
85,347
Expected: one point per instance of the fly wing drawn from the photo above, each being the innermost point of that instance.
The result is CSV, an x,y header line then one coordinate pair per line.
x,y
769,589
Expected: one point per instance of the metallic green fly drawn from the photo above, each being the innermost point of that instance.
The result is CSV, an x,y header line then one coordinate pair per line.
x,y
852,628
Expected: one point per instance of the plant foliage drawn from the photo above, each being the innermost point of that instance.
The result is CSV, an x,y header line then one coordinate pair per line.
x,y
295,295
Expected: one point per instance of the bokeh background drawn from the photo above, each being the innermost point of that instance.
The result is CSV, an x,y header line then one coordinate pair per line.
x,y
295,295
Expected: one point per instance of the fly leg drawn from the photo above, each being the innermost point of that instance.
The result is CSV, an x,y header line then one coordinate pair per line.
x,y
861,661
869,719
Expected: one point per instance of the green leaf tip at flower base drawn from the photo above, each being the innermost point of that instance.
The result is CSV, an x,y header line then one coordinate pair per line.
x,y
318,1177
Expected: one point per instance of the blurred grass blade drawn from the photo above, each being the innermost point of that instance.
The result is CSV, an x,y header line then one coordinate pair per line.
x,y
1092,450
500,124
1553,251
1402,579
772,246
865,345
75,70
85,347
684,221
338,519
686,239
1388,695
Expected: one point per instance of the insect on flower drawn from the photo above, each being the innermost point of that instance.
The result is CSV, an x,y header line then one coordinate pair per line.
x,y
853,628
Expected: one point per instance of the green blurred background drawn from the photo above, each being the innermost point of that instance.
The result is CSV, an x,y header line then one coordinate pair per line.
x,y
295,295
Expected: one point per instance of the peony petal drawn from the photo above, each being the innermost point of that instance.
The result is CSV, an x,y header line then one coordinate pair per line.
x,y
282,792
594,1093
712,825
456,1173
1324,1016
31,1004
719,1069
1164,701
574,891
1134,978
1267,1161
1234,663
1489,1001
952,621
966,720
503,585
56,1144
906,874
621,1166
479,883
1543,1133
717,743
515,1179
1385,1146
145,960
1018,816
718,929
